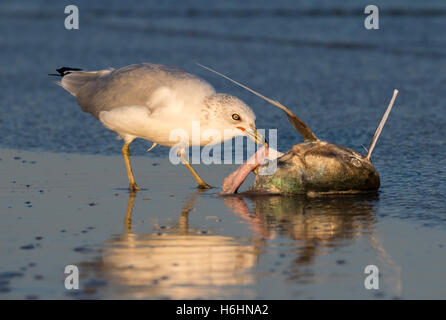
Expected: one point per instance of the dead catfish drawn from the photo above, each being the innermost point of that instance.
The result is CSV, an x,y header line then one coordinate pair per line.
x,y
312,167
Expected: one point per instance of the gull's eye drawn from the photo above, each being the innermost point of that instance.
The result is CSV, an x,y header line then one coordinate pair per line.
x,y
356,162
236,117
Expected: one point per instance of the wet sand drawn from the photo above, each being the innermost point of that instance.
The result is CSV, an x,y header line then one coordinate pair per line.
x,y
171,241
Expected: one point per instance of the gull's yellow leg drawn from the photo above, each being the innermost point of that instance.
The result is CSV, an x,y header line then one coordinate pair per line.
x,y
201,183
126,155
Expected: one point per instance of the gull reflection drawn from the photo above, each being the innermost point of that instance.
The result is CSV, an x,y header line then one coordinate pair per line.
x,y
176,262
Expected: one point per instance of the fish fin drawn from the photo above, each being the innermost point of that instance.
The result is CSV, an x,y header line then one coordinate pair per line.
x,y
381,125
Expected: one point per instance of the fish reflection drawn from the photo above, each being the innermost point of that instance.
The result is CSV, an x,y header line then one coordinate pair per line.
x,y
177,261
322,220
317,225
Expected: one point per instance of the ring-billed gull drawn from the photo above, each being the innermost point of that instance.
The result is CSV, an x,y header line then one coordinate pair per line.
x,y
150,100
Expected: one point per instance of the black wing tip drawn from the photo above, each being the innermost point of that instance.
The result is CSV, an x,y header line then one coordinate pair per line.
x,y
64,71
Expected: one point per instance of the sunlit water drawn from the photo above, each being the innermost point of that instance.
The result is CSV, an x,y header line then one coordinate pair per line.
x,y
321,62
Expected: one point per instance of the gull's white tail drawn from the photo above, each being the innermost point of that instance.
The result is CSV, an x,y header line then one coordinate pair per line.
x,y
381,125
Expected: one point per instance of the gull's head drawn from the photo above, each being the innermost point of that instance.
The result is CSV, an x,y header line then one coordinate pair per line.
x,y
230,116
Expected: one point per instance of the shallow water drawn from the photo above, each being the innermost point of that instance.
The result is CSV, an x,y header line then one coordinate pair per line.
x,y
319,61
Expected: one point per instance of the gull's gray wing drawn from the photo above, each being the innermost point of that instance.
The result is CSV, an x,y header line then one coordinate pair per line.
x,y
135,84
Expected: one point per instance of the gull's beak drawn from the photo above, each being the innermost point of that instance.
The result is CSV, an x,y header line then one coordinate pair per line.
x,y
254,135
